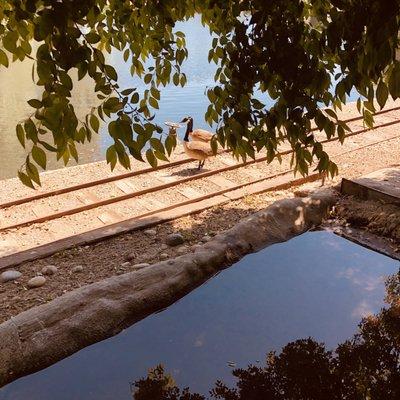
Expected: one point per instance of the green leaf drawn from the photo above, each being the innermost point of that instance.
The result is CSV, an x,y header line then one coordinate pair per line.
x,y
111,72
394,81
153,102
3,59
94,123
127,92
39,156
35,103
111,157
157,145
21,134
92,37
382,94
151,159
73,152
32,172
135,98
25,179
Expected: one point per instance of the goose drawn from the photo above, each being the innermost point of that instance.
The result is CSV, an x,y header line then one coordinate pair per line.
x,y
199,135
199,150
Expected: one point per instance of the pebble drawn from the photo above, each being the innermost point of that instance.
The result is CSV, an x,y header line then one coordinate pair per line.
x,y
301,193
205,238
196,247
164,256
182,250
36,282
150,232
125,264
140,266
49,270
164,246
10,275
174,239
131,256
77,269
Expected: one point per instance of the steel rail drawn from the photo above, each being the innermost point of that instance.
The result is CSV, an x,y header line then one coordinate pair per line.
x,y
103,181
156,188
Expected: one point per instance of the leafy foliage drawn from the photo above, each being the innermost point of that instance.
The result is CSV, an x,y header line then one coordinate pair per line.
x,y
364,367
300,53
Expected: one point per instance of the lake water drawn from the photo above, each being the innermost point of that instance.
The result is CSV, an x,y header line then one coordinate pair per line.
x,y
176,102
317,285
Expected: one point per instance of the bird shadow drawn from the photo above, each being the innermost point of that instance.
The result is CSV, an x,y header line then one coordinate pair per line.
x,y
189,172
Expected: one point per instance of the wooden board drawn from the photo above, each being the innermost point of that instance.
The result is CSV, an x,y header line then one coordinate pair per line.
x,y
124,186
221,181
382,185
189,193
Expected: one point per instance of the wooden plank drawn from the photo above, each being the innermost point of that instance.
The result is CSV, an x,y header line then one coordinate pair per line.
x,y
42,209
150,204
221,181
87,198
366,192
109,217
124,186
251,173
227,160
166,178
189,192
277,183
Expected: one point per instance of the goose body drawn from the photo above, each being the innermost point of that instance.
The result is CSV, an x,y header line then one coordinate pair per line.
x,y
199,148
201,135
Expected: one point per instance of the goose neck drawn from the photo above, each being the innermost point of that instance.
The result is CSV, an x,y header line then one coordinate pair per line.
x,y
189,129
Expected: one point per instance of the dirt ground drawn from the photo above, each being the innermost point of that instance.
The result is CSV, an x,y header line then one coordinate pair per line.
x,y
366,221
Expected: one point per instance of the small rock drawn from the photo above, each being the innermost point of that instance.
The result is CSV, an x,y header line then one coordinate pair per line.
x,y
131,256
182,250
301,193
150,232
205,238
164,256
36,282
140,266
164,246
49,270
196,247
77,269
174,239
10,275
125,264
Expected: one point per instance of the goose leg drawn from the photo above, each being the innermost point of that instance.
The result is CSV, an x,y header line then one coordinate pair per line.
x,y
199,167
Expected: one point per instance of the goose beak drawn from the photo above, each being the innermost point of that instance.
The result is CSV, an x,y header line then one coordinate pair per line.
x,y
183,121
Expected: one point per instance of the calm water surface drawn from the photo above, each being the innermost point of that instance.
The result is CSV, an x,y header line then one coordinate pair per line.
x,y
17,87
317,285
176,102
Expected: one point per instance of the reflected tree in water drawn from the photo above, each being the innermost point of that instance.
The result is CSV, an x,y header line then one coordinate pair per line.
x,y
365,367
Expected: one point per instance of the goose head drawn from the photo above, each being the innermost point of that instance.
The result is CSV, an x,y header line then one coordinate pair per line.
x,y
186,120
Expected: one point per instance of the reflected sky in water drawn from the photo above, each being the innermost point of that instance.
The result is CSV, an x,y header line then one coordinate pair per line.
x,y
317,285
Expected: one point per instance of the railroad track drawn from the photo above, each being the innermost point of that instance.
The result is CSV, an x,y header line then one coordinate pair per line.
x,y
178,162
211,185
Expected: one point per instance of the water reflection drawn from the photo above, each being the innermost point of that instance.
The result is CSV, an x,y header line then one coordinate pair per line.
x,y
263,302
367,366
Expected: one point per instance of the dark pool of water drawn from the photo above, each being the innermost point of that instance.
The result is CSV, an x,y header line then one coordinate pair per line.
x,y
317,285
